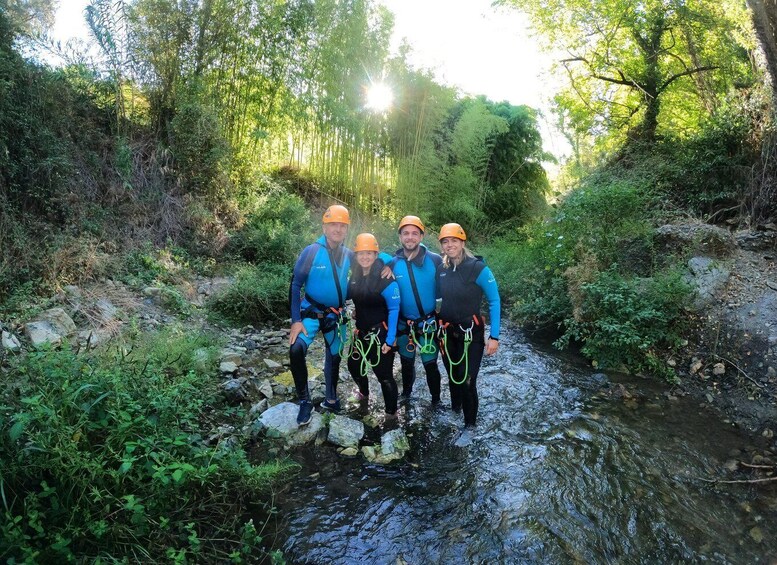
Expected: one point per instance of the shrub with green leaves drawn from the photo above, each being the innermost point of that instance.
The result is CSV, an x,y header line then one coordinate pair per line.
x,y
590,275
104,456
277,227
627,322
259,294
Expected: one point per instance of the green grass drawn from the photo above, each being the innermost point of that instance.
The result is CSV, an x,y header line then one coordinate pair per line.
x,y
105,457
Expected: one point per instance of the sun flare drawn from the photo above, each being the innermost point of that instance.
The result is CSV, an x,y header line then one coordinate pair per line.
x,y
379,97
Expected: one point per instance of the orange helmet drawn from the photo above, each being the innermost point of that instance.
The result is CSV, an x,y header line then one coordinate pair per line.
x,y
452,230
366,242
411,221
337,213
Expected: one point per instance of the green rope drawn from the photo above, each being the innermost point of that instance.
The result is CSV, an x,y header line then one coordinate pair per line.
x,y
464,356
358,349
429,347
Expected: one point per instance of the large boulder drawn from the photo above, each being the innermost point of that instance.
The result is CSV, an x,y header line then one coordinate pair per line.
x,y
280,421
709,278
699,239
42,334
60,322
10,342
345,432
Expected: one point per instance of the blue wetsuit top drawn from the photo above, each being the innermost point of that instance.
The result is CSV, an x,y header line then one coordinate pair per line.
x,y
376,301
422,270
318,274
462,288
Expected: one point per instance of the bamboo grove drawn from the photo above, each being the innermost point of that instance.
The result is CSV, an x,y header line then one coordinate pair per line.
x,y
240,86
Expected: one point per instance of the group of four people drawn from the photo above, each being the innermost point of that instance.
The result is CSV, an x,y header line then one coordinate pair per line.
x,y
395,299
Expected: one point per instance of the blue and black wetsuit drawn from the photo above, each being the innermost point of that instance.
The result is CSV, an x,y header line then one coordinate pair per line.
x,y
376,301
323,273
417,321
462,289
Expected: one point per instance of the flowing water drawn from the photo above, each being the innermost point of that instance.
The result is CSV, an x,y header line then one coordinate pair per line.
x,y
558,472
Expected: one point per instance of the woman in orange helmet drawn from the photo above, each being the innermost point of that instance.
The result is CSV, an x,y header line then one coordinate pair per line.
x,y
462,282
376,301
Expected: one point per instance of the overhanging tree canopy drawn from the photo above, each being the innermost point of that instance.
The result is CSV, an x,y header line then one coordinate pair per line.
x,y
632,61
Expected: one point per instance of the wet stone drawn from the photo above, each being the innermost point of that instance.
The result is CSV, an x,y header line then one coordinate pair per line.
x,y
345,432
280,421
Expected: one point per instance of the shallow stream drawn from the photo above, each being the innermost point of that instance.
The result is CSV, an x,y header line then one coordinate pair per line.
x,y
559,471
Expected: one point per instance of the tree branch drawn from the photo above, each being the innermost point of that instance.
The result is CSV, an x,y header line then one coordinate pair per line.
x,y
673,78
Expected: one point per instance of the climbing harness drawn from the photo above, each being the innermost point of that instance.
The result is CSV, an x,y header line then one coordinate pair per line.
x,y
347,332
426,345
358,349
443,336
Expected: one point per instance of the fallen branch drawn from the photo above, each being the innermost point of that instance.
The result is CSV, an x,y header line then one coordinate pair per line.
x,y
743,481
751,466
748,377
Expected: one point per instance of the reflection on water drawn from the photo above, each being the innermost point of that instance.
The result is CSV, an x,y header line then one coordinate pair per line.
x,y
557,473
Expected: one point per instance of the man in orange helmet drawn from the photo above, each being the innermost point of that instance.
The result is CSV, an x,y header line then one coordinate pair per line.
x,y
415,267
322,270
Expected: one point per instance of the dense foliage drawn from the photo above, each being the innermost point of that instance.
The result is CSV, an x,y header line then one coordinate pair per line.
x,y
642,69
104,457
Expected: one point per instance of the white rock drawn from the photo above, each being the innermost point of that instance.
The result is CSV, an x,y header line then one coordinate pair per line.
x,y
270,364
108,312
280,421
695,366
41,334
259,408
10,342
90,337
719,369
60,322
72,291
265,388
227,367
152,291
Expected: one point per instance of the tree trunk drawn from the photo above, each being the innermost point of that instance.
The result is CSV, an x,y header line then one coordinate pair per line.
x,y
765,22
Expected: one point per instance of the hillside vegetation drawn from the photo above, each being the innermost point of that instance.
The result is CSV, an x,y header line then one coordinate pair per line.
x,y
205,140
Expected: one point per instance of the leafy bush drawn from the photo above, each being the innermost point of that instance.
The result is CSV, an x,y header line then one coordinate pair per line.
x,y
104,458
277,227
259,294
200,149
626,322
586,275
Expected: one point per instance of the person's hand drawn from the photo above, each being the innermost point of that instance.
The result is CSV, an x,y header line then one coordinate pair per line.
x,y
386,348
387,273
296,329
491,346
